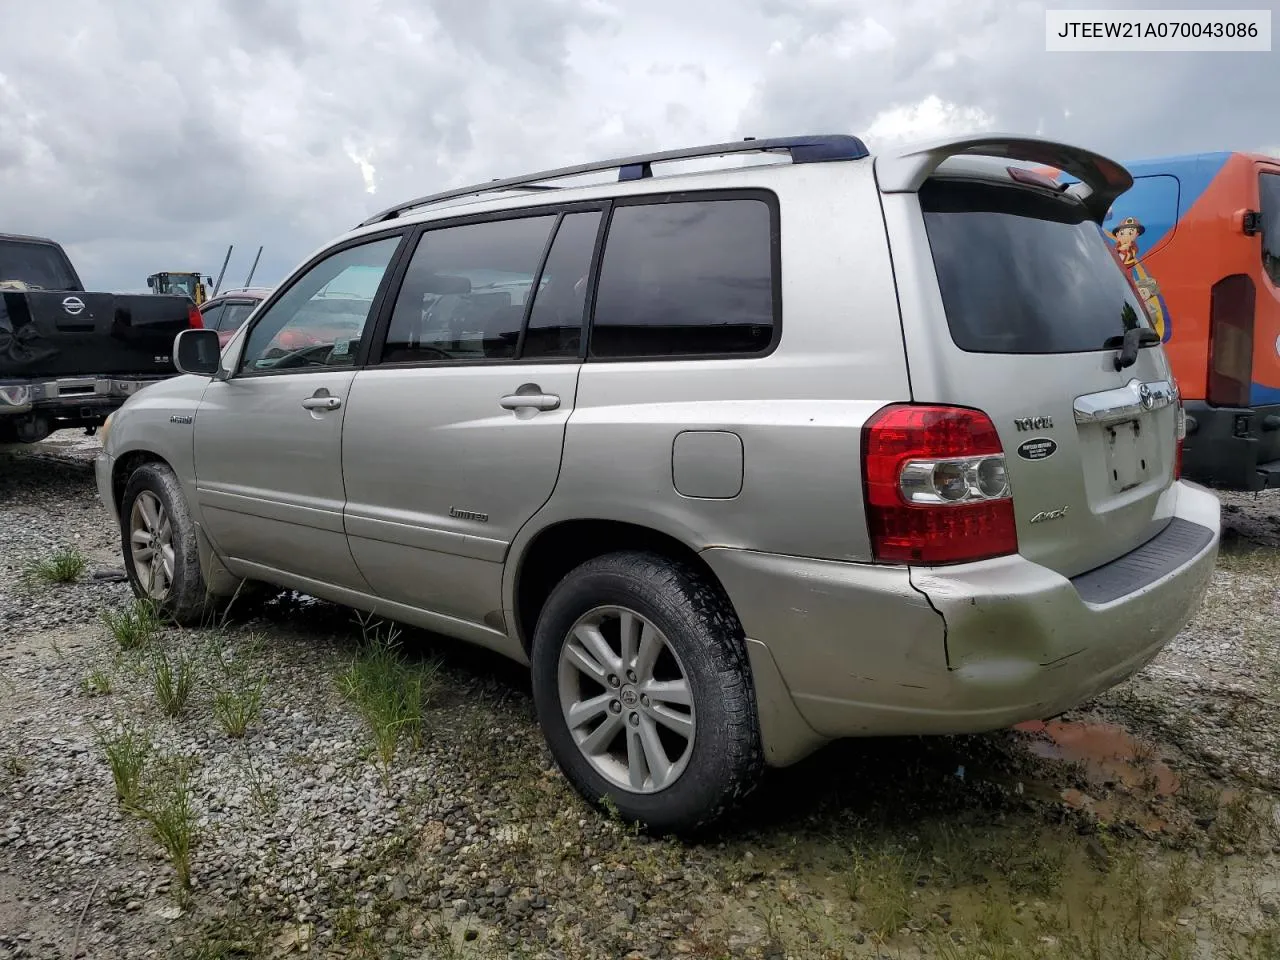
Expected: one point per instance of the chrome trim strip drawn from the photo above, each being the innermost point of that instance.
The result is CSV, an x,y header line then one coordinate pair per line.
x,y
1124,403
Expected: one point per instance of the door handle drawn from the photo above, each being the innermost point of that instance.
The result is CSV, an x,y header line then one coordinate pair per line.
x,y
535,401
322,403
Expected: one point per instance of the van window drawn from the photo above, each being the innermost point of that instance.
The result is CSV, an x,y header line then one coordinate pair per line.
x,y
1269,189
686,278
1024,272
1148,211
465,291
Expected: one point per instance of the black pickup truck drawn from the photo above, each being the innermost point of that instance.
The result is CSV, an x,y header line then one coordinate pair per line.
x,y
69,357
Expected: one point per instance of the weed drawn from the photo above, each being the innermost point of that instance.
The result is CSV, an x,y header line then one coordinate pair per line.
x,y
173,680
64,565
15,766
1241,821
166,805
237,707
389,692
127,750
97,683
134,627
262,791
883,883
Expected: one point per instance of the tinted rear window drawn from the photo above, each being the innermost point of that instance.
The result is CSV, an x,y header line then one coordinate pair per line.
x,y
35,264
1024,272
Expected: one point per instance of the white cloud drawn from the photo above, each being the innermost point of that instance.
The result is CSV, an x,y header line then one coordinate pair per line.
x,y
286,123
931,117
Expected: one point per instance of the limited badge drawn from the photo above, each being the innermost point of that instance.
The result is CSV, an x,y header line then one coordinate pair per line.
x,y
1040,448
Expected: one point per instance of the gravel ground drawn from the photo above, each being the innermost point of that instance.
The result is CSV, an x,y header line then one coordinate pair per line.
x,y
1147,820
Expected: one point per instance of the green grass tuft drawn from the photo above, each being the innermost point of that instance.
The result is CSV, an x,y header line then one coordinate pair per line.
x,y
64,565
388,691
134,627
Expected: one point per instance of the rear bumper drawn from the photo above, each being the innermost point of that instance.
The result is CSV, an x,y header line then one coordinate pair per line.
x,y
1232,448
870,650
18,396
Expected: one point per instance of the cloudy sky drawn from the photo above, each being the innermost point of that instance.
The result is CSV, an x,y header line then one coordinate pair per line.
x,y
148,135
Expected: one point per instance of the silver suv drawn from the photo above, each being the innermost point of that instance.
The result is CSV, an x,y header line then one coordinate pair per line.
x,y
739,460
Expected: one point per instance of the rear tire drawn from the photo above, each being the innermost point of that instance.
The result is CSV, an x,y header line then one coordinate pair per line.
x,y
161,553
665,728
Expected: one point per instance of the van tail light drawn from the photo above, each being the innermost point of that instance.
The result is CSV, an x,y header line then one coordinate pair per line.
x,y
194,320
936,486
1231,303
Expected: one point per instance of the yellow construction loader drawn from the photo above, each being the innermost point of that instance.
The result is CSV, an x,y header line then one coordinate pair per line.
x,y
181,282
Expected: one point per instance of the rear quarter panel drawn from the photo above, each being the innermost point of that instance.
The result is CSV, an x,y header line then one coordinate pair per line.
x,y
799,410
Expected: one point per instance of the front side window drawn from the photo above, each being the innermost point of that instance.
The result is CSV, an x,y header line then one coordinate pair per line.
x,y
465,291
321,318
686,278
1269,191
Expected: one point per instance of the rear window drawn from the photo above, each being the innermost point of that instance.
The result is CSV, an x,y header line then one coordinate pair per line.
x,y
1024,272
36,265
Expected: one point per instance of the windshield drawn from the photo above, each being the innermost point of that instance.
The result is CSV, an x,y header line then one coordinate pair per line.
x,y
1024,272
36,266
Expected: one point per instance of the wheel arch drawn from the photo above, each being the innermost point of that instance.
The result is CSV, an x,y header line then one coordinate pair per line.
x,y
538,562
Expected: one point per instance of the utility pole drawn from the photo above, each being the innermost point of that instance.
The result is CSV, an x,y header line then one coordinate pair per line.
x,y
225,261
253,269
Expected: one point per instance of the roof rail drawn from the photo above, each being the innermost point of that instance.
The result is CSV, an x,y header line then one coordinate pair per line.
x,y
809,149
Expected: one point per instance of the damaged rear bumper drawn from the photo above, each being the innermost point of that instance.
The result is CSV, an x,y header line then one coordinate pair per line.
x,y
866,650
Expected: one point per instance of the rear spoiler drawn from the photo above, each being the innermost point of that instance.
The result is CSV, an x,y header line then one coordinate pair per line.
x,y
1101,179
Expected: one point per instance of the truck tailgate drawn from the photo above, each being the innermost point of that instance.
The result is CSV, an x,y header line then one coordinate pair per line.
x,y
60,333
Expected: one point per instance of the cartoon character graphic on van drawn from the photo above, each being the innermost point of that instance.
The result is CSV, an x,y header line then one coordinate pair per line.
x,y
1126,240
1125,237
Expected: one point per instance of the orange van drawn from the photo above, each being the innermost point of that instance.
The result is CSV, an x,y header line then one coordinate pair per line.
x,y
1200,238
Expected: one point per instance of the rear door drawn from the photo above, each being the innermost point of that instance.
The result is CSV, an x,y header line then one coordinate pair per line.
x,y
453,439
1014,304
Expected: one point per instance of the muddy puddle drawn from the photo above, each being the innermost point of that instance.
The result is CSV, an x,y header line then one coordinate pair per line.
x,y
1120,777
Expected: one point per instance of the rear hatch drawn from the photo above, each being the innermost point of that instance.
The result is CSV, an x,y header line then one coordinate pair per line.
x,y
1021,312
47,333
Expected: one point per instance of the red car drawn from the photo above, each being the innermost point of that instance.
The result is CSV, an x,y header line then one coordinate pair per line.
x,y
228,310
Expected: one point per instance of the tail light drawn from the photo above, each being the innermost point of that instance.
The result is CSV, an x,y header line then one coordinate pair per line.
x,y
194,319
936,486
1230,341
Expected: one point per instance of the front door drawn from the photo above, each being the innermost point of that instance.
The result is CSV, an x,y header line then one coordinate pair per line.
x,y
452,441
268,440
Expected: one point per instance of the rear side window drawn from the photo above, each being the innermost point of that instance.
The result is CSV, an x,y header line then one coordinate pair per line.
x,y
1269,189
234,316
465,291
1024,272
687,278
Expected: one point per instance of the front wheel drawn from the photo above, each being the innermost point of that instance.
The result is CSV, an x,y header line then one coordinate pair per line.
x,y
643,690
161,553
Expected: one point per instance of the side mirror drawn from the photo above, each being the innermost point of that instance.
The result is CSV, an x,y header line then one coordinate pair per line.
x,y
197,351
